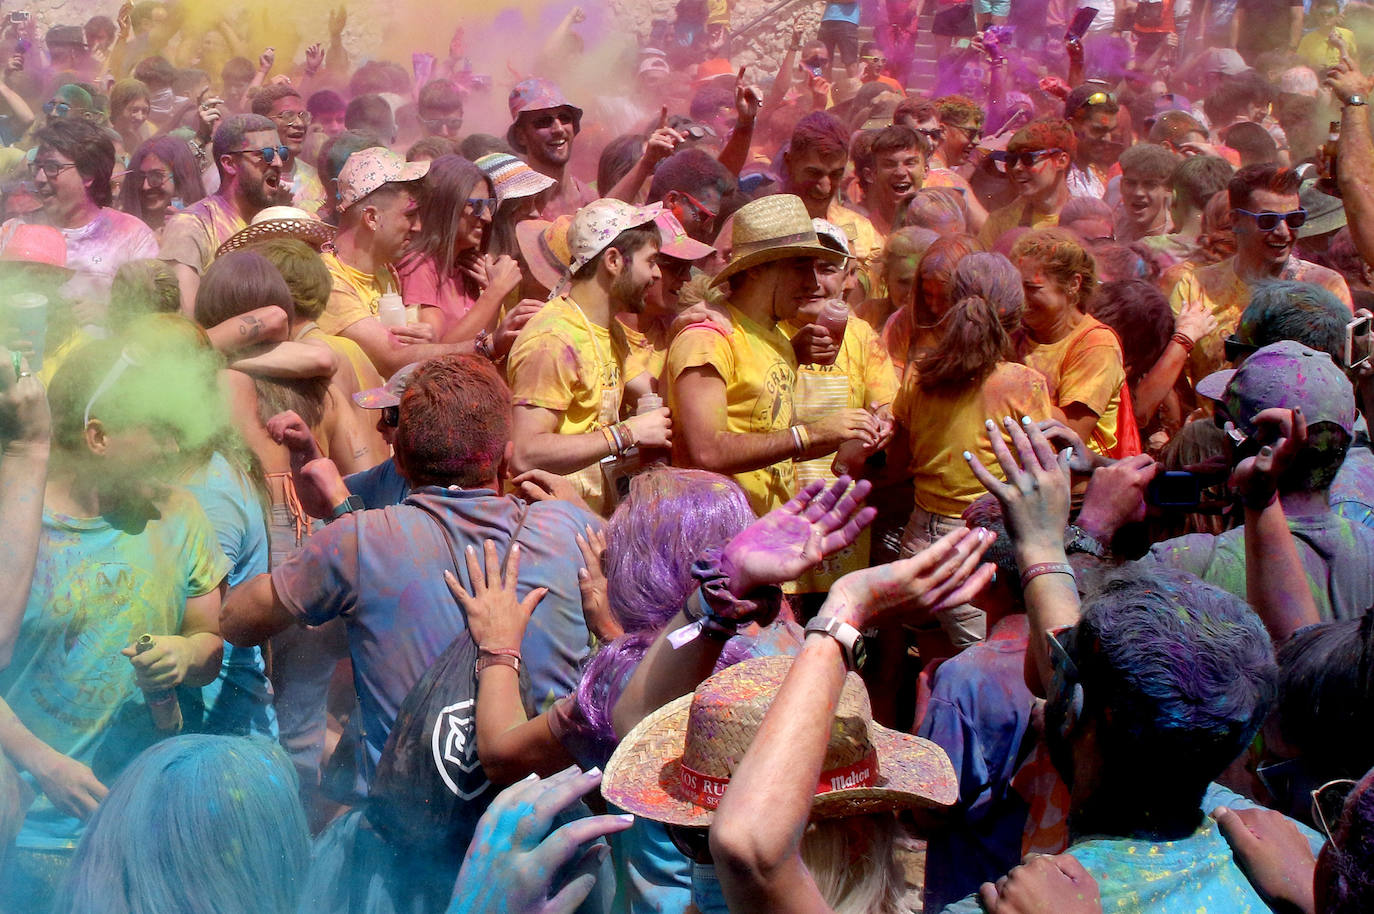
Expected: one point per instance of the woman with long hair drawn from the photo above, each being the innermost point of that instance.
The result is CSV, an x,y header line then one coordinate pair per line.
x,y
971,376
130,103
913,330
163,178
1079,355
448,272
901,255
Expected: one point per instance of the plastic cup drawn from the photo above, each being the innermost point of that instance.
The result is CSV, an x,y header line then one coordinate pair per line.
x,y
28,315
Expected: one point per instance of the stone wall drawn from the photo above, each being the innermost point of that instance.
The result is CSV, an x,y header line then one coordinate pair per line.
x,y
766,42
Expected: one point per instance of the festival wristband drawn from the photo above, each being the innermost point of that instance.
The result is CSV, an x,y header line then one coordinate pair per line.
x,y
715,611
610,438
1183,341
1036,571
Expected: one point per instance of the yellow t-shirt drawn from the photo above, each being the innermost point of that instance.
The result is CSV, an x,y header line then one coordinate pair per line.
x,y
759,371
1085,367
1317,54
865,243
862,376
563,362
1226,295
1013,215
363,369
355,295
641,356
943,423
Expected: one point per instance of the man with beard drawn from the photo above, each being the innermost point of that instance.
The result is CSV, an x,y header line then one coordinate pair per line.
x,y
1267,212
567,370
1037,159
249,156
378,215
1092,111
732,393
898,171
284,105
71,175
543,127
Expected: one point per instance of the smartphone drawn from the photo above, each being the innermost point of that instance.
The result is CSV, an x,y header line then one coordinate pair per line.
x,y
1359,345
1002,34
19,16
1174,489
1078,26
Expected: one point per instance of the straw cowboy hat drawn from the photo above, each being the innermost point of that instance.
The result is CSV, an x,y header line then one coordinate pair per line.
x,y
771,228
280,222
675,765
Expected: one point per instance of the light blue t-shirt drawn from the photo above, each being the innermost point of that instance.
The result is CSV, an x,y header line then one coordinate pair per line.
x,y
1197,873
239,701
841,12
98,584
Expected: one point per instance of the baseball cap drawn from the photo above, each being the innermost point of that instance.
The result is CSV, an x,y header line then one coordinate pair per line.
x,y
1226,61
1283,375
368,169
675,242
653,64
389,394
37,244
598,223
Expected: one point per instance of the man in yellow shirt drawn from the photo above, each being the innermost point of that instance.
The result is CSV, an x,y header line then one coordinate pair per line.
x,y
1268,214
566,372
732,393
813,167
1037,159
377,217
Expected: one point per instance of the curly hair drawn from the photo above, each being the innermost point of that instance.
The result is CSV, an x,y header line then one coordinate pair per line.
x,y
1063,258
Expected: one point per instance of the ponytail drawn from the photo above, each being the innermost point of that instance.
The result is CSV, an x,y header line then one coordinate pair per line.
x,y
972,344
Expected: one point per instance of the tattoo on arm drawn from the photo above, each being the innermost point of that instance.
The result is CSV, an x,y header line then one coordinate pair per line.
x,y
250,327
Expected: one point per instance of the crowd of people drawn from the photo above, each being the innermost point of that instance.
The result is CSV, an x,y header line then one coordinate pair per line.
x,y
857,483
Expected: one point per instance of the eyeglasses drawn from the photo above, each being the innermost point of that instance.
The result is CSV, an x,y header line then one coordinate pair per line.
x,y
1235,349
391,416
695,131
481,206
817,63
934,134
1027,159
1268,221
707,214
435,124
288,118
269,154
1328,801
56,109
50,169
153,179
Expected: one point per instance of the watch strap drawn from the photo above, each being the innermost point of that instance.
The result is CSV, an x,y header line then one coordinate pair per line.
x,y
850,639
347,506
1355,101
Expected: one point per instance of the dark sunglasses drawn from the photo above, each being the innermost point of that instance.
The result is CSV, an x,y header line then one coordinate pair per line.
x,y
391,416
1328,802
974,133
442,123
269,154
1236,349
1267,221
692,843
545,121
1027,159
481,206
57,109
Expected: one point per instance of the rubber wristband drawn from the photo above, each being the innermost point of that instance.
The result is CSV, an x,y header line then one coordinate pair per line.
x,y
1036,571
805,437
610,440
501,651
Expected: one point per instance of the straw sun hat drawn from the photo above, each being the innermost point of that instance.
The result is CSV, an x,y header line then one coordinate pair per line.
x,y
776,227
280,222
674,766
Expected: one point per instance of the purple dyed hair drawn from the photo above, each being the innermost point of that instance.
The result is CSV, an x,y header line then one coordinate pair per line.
x,y
670,517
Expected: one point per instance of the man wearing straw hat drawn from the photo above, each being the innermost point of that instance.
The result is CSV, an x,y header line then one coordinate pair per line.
x,y
732,393
566,370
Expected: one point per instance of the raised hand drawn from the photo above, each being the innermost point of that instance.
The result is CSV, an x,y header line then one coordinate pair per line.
x,y
25,420
314,58
946,573
1195,321
515,866
1035,497
496,617
748,100
1256,479
591,581
266,59
1043,885
789,541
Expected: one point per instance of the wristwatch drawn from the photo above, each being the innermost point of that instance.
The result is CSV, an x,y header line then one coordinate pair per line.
x,y
481,344
486,660
850,638
1355,101
347,506
1076,539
